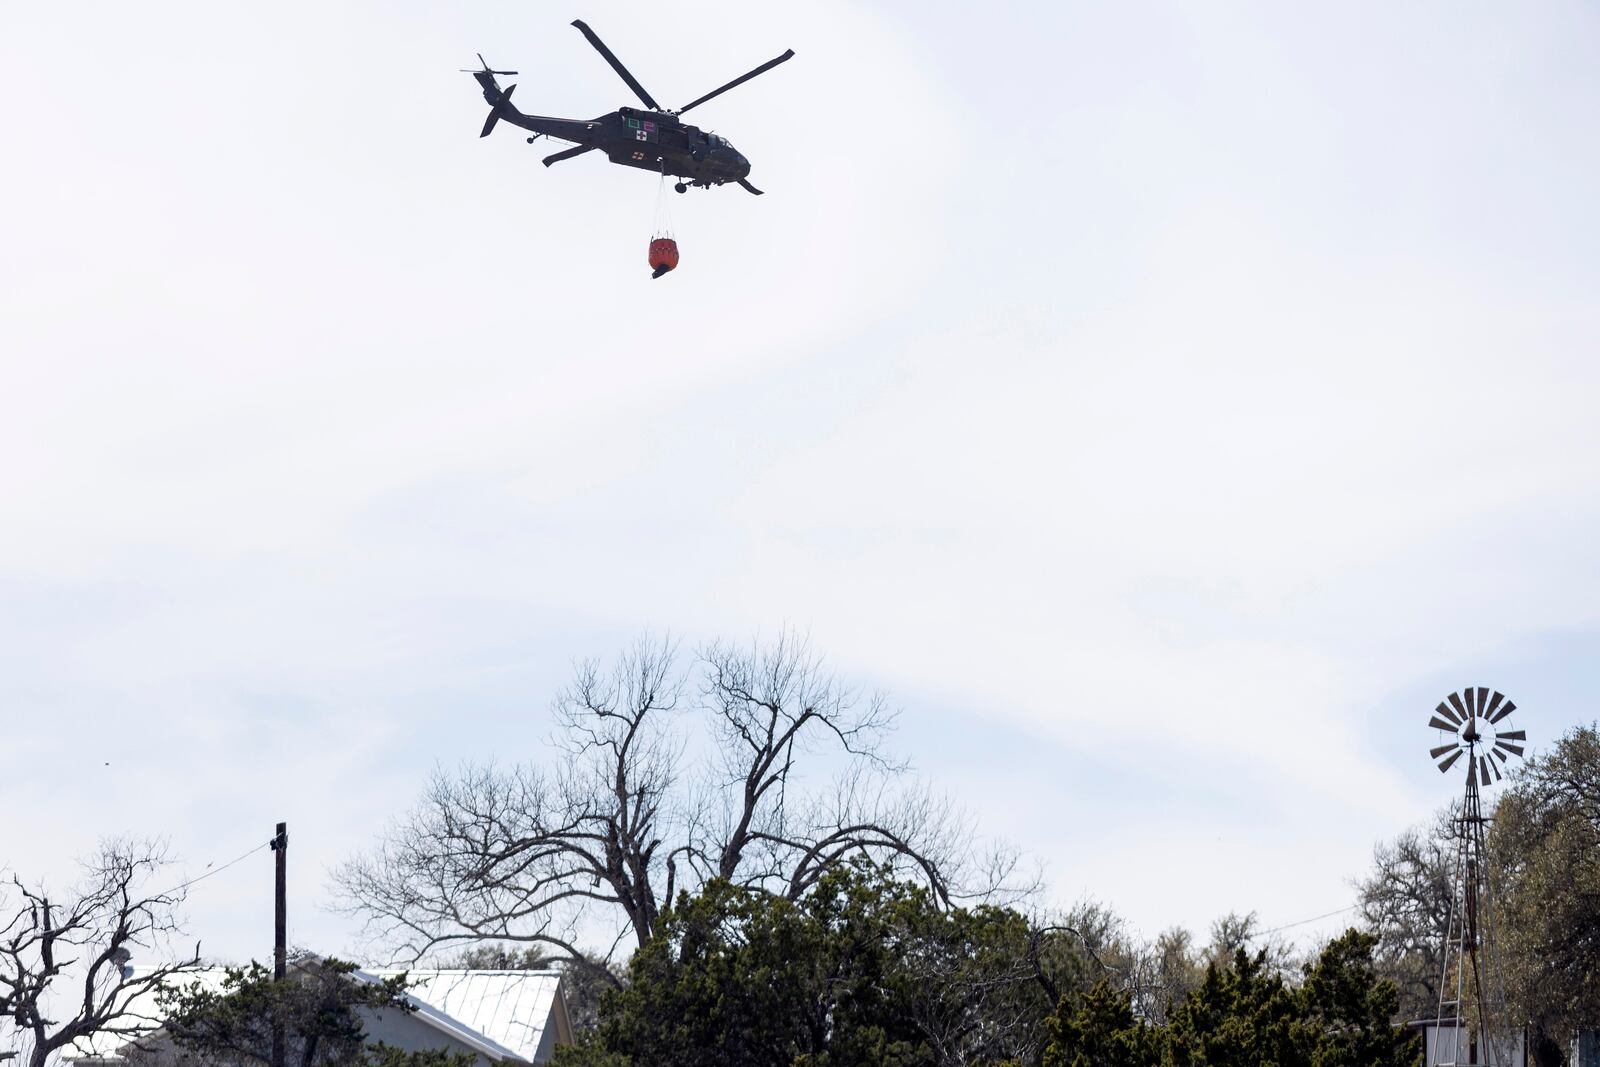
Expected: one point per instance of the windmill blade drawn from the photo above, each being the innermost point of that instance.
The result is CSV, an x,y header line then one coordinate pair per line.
x,y
1472,771
1503,712
1483,762
1442,749
1472,708
1513,735
1455,702
1494,702
1483,696
1492,766
616,65
1447,764
1439,724
1515,750
1497,754
1444,710
768,65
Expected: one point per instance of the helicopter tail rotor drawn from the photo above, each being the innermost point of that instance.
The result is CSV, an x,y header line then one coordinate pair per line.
x,y
485,69
485,79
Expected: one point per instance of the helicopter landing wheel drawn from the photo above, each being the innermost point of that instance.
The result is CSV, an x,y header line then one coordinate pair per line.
x,y
680,187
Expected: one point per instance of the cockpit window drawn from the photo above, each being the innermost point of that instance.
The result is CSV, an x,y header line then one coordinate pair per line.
x,y
718,140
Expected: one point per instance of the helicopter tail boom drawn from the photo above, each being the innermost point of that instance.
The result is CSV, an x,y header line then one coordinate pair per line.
x,y
500,107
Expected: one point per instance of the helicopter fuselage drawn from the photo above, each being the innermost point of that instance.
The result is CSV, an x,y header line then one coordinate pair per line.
x,y
649,140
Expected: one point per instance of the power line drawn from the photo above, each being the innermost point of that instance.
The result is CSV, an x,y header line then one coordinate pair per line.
x,y
1304,922
218,870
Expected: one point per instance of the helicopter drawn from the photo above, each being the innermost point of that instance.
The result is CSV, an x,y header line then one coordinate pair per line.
x,y
652,139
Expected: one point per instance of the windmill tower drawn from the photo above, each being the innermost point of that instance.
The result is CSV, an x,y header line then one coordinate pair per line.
x,y
1472,1024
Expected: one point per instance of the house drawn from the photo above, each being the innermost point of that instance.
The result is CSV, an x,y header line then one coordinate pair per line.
x,y
1449,1045
1438,1047
502,1017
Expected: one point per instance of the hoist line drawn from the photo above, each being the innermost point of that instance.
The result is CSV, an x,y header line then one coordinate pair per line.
x,y
663,219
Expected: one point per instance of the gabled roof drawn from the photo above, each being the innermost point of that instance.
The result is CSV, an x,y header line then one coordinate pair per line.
x,y
502,1015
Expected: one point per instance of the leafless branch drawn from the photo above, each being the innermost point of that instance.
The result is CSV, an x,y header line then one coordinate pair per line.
x,y
790,777
63,962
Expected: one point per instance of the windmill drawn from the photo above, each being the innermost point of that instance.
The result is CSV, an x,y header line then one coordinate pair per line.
x,y
1471,1024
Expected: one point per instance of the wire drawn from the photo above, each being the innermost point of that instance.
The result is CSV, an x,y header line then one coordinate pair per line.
x,y
1303,922
218,870
663,220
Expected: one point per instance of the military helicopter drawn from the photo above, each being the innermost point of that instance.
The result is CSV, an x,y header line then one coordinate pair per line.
x,y
653,140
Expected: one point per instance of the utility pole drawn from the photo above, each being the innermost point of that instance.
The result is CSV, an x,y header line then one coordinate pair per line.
x,y
280,930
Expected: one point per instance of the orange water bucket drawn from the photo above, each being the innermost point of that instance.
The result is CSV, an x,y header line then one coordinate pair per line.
x,y
663,256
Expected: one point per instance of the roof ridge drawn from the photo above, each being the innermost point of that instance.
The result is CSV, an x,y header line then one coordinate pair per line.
x,y
462,970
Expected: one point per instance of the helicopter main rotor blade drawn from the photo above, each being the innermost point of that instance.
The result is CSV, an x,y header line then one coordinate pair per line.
x,y
768,65
616,65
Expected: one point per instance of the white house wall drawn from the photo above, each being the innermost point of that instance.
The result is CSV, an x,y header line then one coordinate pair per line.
x,y
411,1034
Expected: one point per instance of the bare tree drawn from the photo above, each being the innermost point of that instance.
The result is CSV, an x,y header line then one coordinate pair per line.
x,y
1405,900
1165,971
63,973
753,764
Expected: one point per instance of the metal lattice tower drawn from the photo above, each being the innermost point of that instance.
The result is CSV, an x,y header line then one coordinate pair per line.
x,y
1472,1023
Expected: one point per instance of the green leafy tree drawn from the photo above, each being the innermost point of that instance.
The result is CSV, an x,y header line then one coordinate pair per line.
x,y
1246,1013
318,1010
1545,855
861,970
1351,1009
1242,1015
1098,1029
382,1055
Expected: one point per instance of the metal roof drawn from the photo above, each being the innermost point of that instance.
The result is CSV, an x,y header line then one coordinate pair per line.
x,y
511,1009
501,1014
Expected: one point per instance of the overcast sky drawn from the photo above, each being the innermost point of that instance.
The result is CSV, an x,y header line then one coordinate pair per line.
x,y
1167,404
